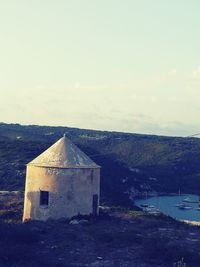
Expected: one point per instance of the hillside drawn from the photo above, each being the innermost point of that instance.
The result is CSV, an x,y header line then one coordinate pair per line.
x,y
116,238
131,163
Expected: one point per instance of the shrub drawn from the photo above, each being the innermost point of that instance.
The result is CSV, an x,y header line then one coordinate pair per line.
x,y
161,249
14,233
120,239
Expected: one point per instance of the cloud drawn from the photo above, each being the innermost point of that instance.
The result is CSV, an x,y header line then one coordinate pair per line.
x,y
162,104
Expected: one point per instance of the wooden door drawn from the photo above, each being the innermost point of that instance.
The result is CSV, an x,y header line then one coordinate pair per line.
x,y
95,204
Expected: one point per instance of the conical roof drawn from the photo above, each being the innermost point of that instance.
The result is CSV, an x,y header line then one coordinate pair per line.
x,y
63,154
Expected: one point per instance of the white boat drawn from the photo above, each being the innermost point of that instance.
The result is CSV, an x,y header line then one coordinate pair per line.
x,y
184,207
189,200
152,211
145,205
179,205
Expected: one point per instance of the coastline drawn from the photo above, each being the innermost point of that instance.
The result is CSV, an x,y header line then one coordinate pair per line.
x,y
197,223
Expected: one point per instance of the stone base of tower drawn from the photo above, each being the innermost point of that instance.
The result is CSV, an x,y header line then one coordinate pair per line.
x,y
54,193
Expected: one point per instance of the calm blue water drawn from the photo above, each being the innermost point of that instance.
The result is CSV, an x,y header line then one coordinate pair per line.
x,y
166,204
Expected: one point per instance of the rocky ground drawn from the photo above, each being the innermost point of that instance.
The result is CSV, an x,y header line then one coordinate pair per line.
x,y
116,238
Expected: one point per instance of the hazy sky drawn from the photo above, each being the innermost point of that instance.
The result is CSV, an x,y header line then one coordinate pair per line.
x,y
125,65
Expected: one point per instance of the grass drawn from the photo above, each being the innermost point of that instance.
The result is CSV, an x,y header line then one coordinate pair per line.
x,y
118,235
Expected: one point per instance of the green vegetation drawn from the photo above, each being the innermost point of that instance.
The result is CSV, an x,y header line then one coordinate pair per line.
x,y
118,237
131,163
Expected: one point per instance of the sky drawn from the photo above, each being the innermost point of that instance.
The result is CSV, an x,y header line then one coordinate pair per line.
x,y
117,65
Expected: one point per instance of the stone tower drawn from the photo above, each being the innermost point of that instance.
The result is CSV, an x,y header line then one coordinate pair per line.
x,y
60,183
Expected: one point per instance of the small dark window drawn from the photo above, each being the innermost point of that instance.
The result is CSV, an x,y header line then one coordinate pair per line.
x,y
44,198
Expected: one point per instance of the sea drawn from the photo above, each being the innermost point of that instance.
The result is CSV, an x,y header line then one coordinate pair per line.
x,y
167,205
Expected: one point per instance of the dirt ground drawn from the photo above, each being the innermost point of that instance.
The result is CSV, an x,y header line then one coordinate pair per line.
x,y
117,238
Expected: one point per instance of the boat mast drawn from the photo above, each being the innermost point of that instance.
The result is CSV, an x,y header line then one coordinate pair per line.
x,y
179,192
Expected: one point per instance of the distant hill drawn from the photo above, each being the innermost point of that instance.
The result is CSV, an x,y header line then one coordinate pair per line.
x,y
131,163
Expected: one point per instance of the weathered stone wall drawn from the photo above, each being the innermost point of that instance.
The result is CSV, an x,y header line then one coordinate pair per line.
x,y
70,192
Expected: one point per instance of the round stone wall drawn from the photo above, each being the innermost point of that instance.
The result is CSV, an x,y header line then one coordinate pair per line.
x,y
70,192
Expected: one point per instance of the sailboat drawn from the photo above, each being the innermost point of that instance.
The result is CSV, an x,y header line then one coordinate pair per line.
x,y
189,200
182,205
145,205
179,204
199,205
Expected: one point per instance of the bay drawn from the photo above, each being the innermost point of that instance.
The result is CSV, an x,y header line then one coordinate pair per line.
x,y
167,205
